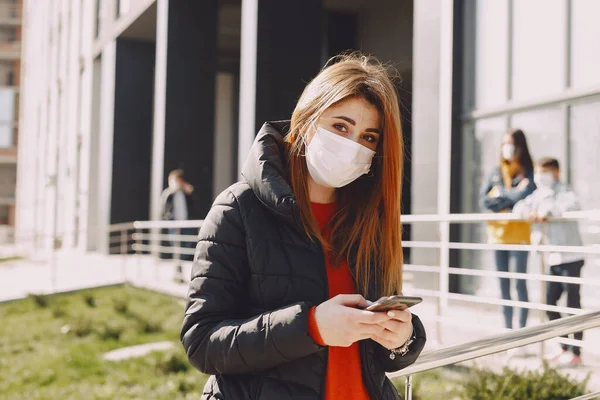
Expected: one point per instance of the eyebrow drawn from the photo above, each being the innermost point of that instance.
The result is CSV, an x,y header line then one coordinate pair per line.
x,y
353,123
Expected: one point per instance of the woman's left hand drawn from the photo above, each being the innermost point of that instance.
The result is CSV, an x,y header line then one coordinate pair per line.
x,y
397,330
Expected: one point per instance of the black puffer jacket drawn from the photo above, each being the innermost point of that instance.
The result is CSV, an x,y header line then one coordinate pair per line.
x,y
255,276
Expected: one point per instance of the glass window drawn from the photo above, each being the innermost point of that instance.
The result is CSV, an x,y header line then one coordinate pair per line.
x,y
491,49
545,132
585,33
585,174
584,151
7,116
539,39
6,135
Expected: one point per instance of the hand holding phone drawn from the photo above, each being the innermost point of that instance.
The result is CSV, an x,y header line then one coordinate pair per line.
x,y
388,303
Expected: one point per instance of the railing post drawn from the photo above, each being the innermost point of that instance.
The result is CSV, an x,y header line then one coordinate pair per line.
x,y
543,283
123,252
408,387
138,242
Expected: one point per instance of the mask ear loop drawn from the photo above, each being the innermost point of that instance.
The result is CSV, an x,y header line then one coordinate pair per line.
x,y
313,126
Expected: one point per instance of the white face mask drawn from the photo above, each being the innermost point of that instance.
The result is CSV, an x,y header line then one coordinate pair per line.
x,y
508,151
544,180
334,161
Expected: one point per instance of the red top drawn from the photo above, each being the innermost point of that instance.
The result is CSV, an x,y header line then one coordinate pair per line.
x,y
344,376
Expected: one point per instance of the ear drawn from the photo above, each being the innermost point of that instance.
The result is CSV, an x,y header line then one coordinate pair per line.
x,y
556,174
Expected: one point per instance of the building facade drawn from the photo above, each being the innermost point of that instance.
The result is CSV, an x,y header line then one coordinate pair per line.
x,y
119,92
10,70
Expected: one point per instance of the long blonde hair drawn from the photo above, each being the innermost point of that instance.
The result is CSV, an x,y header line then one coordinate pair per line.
x,y
367,228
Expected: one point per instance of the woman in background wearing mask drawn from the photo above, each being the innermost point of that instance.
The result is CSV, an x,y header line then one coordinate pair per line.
x,y
509,183
288,257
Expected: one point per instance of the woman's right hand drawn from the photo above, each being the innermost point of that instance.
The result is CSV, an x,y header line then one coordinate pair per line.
x,y
523,184
341,321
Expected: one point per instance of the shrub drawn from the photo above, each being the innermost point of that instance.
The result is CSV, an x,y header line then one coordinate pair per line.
x,y
40,300
82,326
121,306
111,332
147,324
546,384
59,311
90,300
172,362
150,325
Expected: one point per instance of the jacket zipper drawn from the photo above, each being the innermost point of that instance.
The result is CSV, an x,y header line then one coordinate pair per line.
x,y
326,293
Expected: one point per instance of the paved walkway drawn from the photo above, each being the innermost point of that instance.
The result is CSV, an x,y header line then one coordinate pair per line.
x,y
73,271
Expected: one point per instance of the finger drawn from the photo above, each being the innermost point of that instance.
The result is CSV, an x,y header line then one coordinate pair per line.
x,y
370,329
393,325
404,316
369,317
351,300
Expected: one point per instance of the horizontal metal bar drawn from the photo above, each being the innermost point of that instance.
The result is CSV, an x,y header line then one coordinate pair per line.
x,y
164,249
166,237
498,274
494,301
589,249
450,321
499,343
588,396
120,227
566,96
167,224
593,215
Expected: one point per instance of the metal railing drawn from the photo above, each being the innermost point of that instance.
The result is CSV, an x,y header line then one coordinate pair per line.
x,y
444,270
496,344
156,238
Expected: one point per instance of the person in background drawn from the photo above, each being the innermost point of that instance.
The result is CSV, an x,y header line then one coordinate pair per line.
x,y
507,184
287,258
551,199
177,205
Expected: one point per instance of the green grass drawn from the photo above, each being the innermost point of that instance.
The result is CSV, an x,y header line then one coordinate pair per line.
x,y
441,383
37,361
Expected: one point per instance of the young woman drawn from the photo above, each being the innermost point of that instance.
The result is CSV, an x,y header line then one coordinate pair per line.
x,y
509,183
287,258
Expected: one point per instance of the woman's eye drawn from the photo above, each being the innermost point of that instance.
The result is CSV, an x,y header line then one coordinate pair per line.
x,y
341,127
370,138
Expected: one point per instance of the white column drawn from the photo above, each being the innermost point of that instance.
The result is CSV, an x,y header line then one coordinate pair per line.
x,y
71,118
50,163
444,146
425,120
93,178
86,121
223,155
105,148
246,131
160,96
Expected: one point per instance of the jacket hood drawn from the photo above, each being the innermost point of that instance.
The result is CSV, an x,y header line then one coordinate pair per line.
x,y
265,171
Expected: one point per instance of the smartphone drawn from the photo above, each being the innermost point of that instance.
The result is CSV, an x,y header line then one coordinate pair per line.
x,y
388,303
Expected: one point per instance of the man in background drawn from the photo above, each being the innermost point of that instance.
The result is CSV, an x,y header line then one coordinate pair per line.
x,y
552,198
177,205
